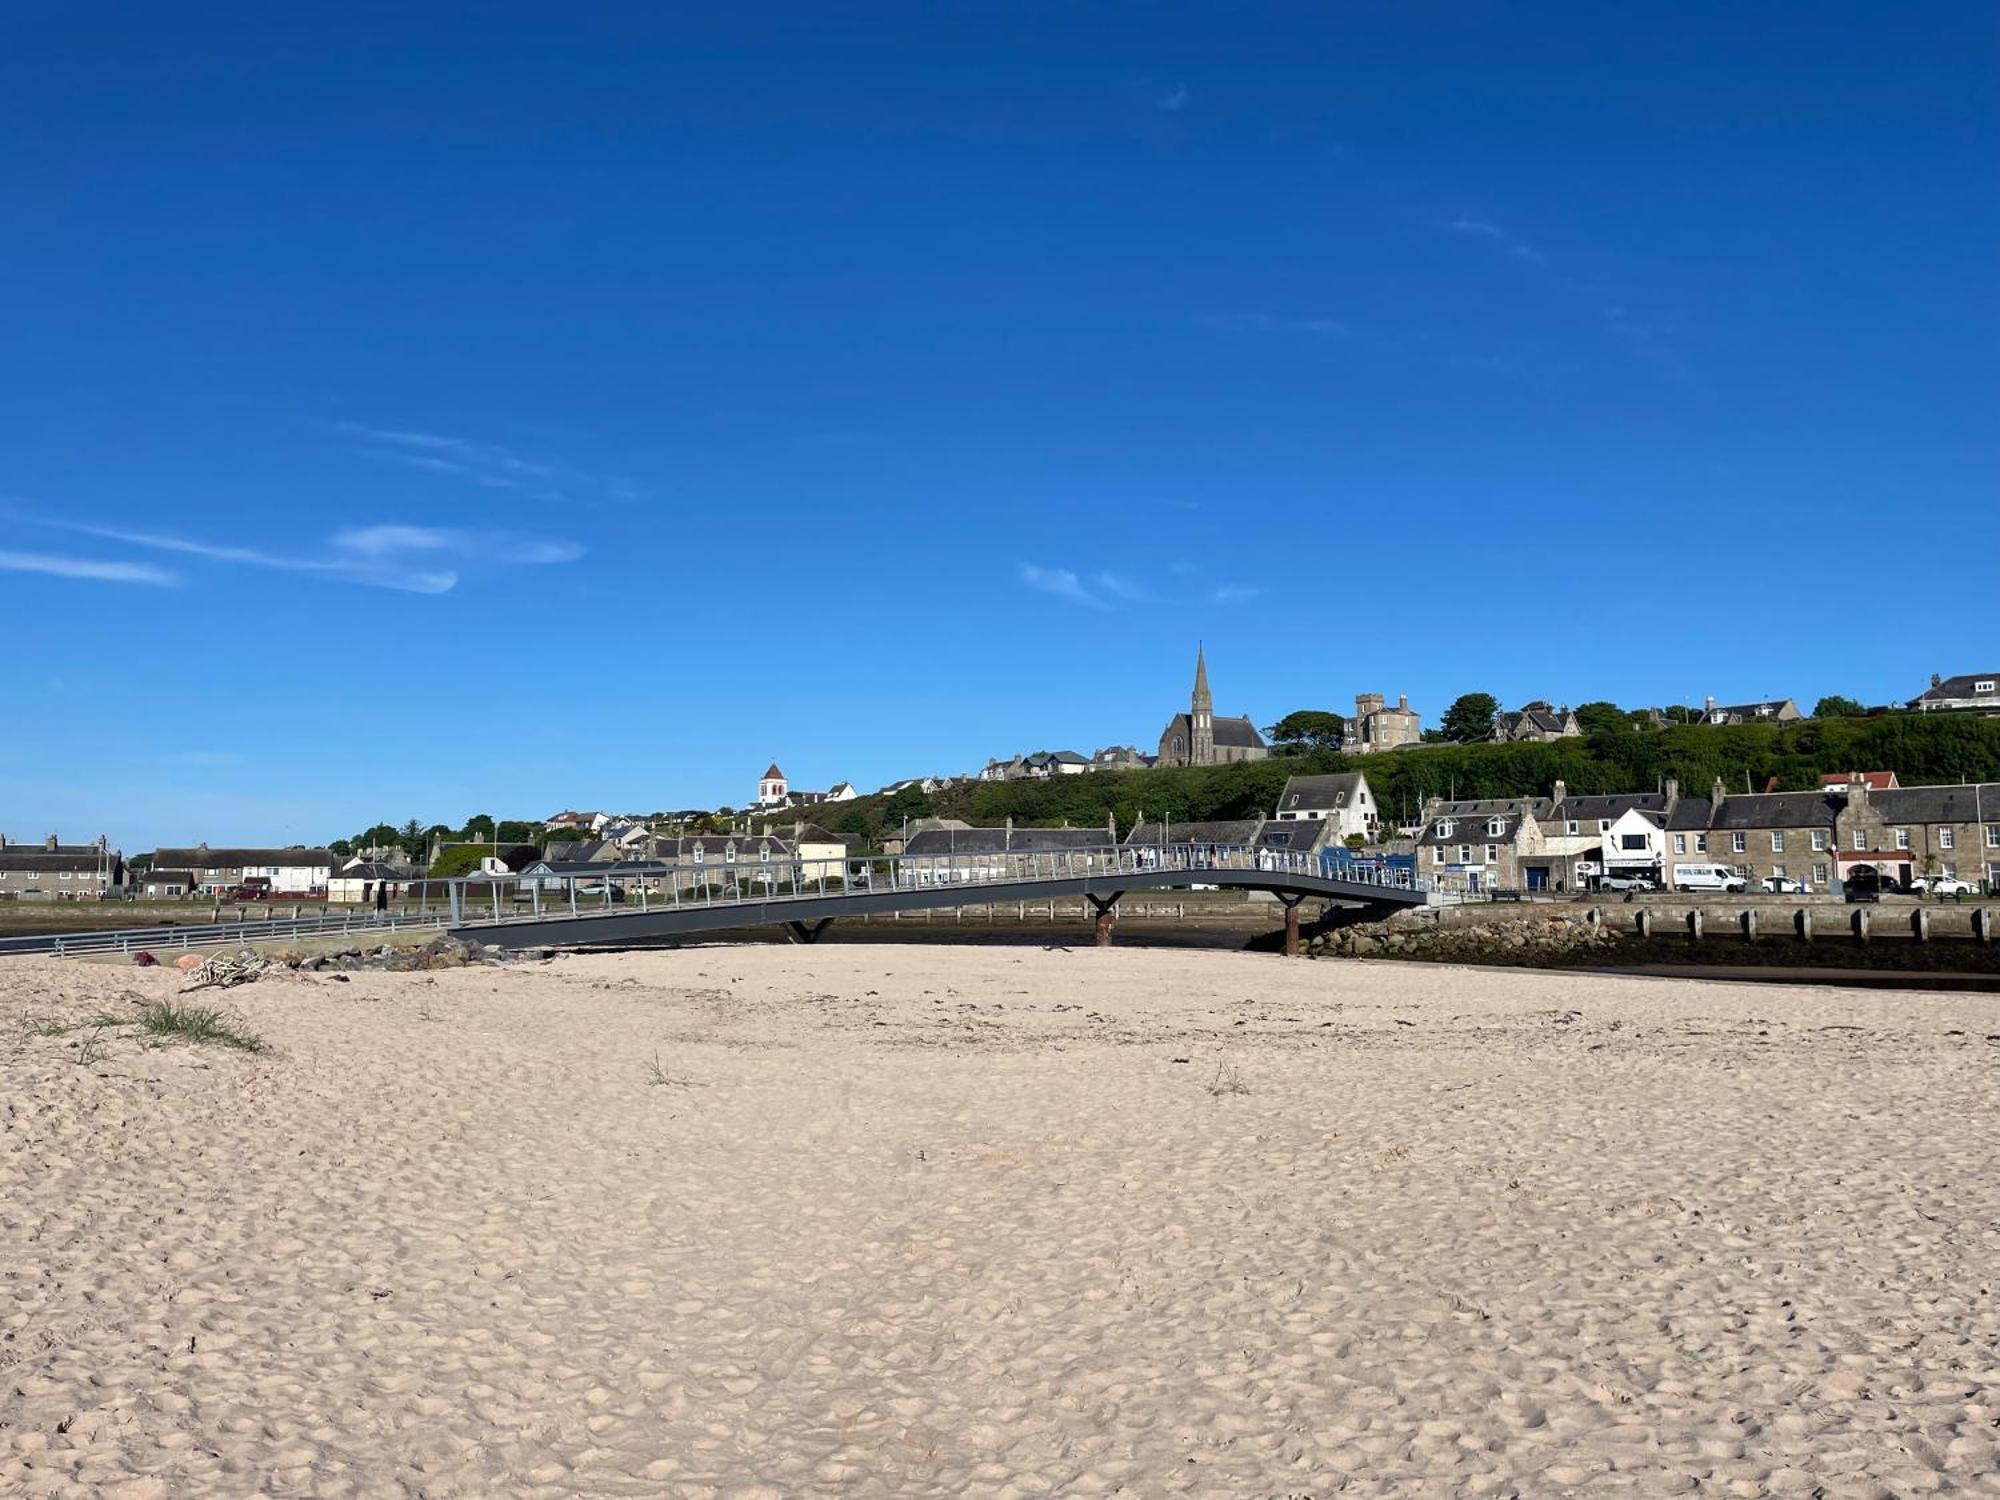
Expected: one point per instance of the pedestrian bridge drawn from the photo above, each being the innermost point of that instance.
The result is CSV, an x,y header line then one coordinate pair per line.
x,y
639,902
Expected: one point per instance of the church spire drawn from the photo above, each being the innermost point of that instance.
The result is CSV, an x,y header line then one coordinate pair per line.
x,y
1203,703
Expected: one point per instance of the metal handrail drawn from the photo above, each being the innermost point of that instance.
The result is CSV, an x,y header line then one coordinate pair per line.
x,y
205,934
644,885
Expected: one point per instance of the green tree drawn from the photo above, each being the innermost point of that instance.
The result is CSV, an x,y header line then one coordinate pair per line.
x,y
1602,718
518,831
1470,718
1834,706
1307,729
341,847
479,827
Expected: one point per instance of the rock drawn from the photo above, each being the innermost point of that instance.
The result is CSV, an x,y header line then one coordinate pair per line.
x,y
144,960
189,961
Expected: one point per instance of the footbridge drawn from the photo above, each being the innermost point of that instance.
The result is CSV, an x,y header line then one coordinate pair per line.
x,y
639,902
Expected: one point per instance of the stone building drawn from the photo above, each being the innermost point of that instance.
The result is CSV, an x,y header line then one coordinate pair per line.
x,y
53,870
1199,738
1787,835
1376,727
1770,711
1483,844
1537,722
1909,832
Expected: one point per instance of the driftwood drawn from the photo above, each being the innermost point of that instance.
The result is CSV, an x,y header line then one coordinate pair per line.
x,y
224,971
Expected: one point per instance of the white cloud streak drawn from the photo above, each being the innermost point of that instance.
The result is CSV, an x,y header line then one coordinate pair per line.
x,y
1061,582
1173,101
488,465
1325,328
1500,239
90,569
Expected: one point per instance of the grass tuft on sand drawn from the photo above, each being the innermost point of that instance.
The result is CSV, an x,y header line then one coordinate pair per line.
x,y
197,1025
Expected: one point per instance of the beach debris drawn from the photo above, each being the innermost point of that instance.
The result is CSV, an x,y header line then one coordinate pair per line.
x,y
189,961
226,970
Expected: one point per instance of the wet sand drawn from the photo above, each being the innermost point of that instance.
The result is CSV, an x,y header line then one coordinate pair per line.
x,y
1000,1221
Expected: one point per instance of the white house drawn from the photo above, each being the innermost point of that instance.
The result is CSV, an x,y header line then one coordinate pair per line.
x,y
1636,843
1344,800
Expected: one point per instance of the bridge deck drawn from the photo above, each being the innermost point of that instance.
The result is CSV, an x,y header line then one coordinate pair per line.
x,y
630,924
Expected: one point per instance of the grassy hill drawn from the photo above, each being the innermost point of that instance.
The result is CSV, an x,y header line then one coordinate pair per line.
x,y
1917,747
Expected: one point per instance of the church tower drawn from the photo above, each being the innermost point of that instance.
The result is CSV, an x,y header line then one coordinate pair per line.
x,y
1201,716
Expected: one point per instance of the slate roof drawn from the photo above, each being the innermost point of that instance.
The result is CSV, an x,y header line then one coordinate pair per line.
x,y
166,877
1539,715
715,846
1472,828
1298,835
1744,713
72,857
1938,804
1774,810
1690,815
376,871
1235,831
1959,687
1319,793
1607,808
944,841
235,859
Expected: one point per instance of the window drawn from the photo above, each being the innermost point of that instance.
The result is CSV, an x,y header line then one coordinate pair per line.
x,y
1993,835
1496,827
1632,841
1779,871
1738,843
1572,827
1984,685
1947,838
65,874
1819,873
1680,843
1493,854
1465,854
1777,841
1445,828
1604,825
1701,843
1902,838
1818,840
1950,870
1860,839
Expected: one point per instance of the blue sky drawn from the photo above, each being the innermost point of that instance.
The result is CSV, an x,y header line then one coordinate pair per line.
x,y
420,410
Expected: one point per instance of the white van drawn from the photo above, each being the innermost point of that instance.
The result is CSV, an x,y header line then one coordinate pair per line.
x,y
1708,878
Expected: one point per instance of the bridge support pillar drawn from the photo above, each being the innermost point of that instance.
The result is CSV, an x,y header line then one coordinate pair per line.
x,y
1106,908
1291,923
808,932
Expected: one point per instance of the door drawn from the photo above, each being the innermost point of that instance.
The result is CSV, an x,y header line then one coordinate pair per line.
x,y
1538,878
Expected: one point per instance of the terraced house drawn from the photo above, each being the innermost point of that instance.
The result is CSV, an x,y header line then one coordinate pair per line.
x,y
1764,835
1909,832
55,871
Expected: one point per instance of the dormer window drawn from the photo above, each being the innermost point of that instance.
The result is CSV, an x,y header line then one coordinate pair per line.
x,y
1496,827
1984,685
1445,828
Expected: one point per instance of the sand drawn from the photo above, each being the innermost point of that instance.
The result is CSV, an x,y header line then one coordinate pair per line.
x,y
875,1221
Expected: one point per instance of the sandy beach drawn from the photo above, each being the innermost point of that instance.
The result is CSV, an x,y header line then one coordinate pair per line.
x,y
865,1221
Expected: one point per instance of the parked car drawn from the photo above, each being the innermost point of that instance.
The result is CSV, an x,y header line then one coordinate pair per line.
x,y
1786,885
1629,883
1944,885
1709,878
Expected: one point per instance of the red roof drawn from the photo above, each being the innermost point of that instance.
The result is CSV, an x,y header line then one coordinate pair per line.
x,y
774,774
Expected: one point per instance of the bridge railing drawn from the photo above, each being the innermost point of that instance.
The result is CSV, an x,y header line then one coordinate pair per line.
x,y
757,875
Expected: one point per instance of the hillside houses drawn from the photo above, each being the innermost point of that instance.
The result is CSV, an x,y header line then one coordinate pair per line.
x,y
53,870
1976,691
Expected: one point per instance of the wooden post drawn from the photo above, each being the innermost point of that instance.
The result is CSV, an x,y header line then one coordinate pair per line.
x,y
1920,925
1291,929
1694,922
1802,923
1750,923
1642,921
1860,924
1982,925
1104,919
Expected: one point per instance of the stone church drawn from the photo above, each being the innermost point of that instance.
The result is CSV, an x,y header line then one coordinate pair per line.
x,y
1199,738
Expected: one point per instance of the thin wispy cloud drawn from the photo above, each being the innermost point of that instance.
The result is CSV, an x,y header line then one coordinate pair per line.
x,y
488,465
1118,586
1494,235
1325,328
89,569
409,559
1173,101
1231,593
1062,583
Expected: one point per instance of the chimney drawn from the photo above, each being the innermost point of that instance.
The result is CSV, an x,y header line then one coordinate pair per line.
x,y
1709,704
3,841
1857,793
49,843
1010,825
1560,792
1403,702
1936,681
1673,793
1717,792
